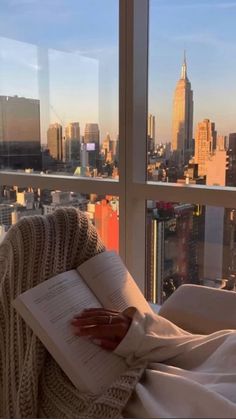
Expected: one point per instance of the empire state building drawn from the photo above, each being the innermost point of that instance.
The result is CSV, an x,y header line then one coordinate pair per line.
x,y
182,128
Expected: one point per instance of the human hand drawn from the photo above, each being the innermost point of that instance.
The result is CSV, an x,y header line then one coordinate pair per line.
x,y
104,327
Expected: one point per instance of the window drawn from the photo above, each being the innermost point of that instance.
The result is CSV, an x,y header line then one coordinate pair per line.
x,y
190,141
59,87
136,187
191,128
103,211
189,243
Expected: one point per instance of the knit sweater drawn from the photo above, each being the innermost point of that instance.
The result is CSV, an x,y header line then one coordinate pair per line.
x,y
31,382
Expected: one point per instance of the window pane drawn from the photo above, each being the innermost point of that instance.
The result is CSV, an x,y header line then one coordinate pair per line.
x,y
59,86
189,243
103,211
191,122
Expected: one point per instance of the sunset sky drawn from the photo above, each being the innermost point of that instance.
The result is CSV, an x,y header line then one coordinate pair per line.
x,y
81,40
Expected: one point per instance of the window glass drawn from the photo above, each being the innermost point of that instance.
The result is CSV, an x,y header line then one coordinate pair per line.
x,y
189,244
102,211
191,136
59,86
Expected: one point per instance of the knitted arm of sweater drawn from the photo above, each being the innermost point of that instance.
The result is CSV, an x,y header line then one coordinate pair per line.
x,y
153,338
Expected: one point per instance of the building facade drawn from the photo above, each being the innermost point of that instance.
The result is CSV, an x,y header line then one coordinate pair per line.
x,y
20,133
231,174
182,126
172,235
54,141
91,133
72,142
205,137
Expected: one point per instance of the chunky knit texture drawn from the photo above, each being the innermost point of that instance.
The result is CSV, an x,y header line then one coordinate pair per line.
x,y
31,382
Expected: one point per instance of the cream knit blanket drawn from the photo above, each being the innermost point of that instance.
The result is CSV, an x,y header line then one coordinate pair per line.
x,y
31,383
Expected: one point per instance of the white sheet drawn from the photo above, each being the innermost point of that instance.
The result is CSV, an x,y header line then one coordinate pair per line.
x,y
187,376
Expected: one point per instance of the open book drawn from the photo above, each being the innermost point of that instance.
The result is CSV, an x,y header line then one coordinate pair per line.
x,y
102,281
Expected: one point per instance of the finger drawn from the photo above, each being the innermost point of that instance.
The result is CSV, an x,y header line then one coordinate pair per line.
x,y
110,331
95,312
95,320
101,309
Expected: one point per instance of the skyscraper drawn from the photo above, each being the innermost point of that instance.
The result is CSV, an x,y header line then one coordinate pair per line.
x,y
72,142
205,137
20,133
91,139
172,230
91,133
221,142
151,133
54,139
231,175
107,148
182,128
151,126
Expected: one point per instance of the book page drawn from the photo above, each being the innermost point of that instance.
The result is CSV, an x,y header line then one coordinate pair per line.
x,y
110,280
48,308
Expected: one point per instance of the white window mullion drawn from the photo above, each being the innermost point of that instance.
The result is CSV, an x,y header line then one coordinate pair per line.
x,y
134,53
60,182
192,194
122,125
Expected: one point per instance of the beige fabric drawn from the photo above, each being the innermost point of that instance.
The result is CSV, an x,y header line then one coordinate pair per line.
x,y
31,383
201,309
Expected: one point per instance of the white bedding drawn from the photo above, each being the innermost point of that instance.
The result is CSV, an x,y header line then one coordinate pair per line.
x,y
187,376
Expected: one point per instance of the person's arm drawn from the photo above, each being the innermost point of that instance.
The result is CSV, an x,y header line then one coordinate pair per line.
x,y
148,337
153,338
132,334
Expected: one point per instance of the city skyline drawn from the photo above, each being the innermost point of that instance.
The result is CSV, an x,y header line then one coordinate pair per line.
x,y
174,26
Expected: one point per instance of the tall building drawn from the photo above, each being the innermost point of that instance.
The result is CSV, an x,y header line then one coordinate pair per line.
x,y
151,133
182,127
107,148
114,147
72,142
151,127
91,139
106,220
26,199
91,133
172,231
205,137
216,166
231,174
54,139
5,214
220,142
20,133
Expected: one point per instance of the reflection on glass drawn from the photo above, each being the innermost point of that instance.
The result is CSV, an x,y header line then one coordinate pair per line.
x,y
59,88
102,211
189,243
191,125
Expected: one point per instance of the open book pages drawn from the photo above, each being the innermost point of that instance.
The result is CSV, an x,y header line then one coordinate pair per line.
x,y
111,282
49,307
